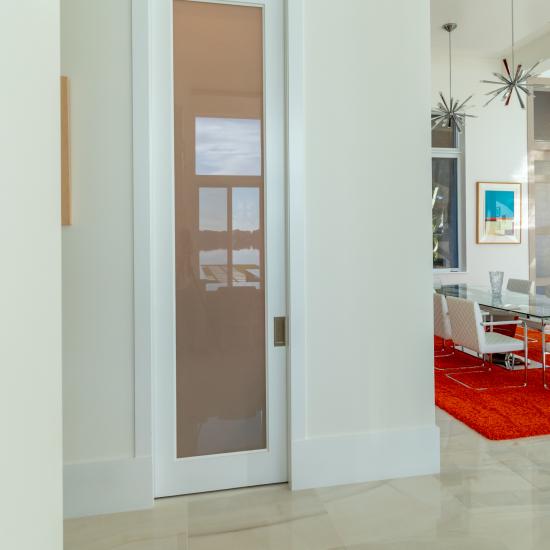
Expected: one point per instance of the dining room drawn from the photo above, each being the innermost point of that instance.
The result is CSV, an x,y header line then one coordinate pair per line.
x,y
491,219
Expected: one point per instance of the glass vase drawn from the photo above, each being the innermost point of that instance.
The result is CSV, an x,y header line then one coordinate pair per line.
x,y
496,278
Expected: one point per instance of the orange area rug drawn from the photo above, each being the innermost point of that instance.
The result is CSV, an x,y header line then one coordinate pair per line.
x,y
497,414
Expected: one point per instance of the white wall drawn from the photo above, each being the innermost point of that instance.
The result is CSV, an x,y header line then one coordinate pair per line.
x,y
368,412
495,150
536,50
104,470
30,278
97,248
367,246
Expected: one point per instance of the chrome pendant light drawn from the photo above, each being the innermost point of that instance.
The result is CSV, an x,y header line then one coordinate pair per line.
x,y
450,111
514,81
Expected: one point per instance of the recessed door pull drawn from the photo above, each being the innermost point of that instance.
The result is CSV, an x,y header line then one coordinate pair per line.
x,y
279,332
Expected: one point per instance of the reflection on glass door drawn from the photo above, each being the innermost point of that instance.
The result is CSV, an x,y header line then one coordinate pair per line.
x,y
219,228
538,106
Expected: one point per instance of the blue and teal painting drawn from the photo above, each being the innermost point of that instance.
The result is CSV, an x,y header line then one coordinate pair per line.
x,y
499,205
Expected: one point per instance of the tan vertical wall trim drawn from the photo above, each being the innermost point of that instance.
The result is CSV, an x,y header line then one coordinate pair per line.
x,y
66,210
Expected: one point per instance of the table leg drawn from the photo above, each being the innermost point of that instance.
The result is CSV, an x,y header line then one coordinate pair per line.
x,y
544,355
526,352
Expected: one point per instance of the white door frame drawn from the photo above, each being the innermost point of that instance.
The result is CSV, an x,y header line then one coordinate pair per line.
x,y
148,310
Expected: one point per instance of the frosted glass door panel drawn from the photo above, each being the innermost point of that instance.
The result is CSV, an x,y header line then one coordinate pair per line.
x,y
542,115
543,256
542,203
219,221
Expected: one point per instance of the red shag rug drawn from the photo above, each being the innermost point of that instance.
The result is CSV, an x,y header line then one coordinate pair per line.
x,y
497,414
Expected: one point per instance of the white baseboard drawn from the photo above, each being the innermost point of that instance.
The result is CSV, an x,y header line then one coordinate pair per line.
x,y
95,488
359,458
109,487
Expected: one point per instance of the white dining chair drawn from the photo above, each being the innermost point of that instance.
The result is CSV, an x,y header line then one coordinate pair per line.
x,y
522,286
468,330
525,286
442,329
442,324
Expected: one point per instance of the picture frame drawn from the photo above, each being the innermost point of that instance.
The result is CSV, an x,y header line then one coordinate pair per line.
x,y
498,212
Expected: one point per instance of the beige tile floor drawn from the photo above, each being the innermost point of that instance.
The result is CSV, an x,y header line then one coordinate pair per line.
x,y
489,496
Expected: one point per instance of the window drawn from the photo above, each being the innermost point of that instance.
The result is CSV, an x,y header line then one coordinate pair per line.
x,y
447,196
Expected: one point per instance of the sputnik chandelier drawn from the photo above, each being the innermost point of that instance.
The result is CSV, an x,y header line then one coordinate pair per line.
x,y
450,112
514,80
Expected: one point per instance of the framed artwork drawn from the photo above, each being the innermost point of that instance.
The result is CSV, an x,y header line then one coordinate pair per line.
x,y
498,213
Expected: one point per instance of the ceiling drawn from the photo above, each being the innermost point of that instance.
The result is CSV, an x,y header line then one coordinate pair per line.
x,y
484,26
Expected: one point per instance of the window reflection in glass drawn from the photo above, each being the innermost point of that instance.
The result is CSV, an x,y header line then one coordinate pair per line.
x,y
243,237
213,265
212,209
246,268
246,236
228,147
246,209
213,237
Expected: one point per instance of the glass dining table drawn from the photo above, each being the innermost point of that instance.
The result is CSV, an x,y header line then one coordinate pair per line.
x,y
534,308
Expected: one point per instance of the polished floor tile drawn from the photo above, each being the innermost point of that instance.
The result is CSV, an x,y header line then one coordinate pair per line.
x,y
490,495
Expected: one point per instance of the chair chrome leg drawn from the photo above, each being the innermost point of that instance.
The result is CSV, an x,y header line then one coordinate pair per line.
x,y
442,350
452,368
482,366
457,369
523,385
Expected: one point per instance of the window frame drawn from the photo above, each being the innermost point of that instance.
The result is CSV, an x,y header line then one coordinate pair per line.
x,y
457,153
